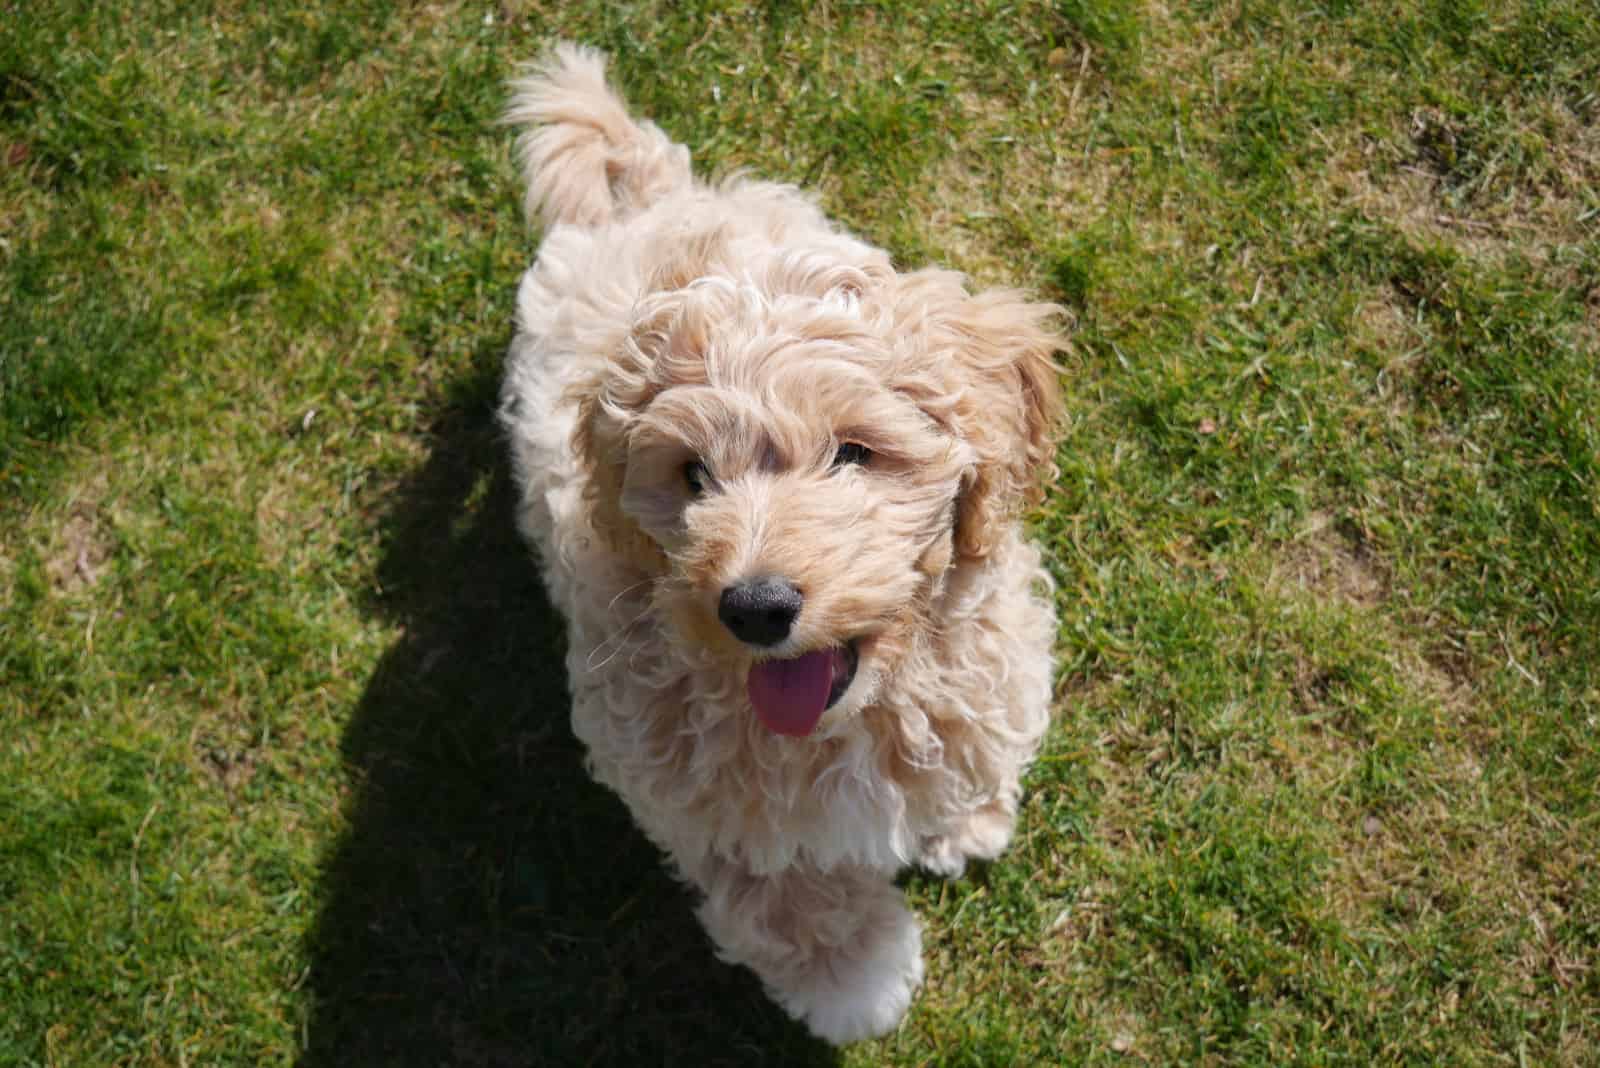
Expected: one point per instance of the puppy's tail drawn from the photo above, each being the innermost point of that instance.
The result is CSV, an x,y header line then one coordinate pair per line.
x,y
584,159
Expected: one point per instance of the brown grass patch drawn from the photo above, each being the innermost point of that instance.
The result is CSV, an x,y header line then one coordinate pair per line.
x,y
83,549
1385,323
231,770
82,543
1412,179
1330,561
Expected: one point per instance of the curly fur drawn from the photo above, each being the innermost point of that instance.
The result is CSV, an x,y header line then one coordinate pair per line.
x,y
667,320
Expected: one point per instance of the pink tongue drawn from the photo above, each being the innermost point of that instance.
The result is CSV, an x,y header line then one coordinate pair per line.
x,y
791,695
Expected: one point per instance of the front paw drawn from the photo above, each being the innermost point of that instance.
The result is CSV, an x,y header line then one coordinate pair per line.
x,y
942,856
983,836
848,996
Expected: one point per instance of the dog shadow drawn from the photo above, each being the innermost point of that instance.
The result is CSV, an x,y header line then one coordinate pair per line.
x,y
489,905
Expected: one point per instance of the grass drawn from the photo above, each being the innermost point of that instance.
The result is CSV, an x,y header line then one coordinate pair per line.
x,y
284,769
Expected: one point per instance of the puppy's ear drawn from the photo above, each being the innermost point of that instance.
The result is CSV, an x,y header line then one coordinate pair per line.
x,y
607,404
665,344
600,443
1009,408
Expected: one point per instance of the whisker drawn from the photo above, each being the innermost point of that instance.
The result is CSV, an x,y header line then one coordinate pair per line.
x,y
619,637
625,591
633,656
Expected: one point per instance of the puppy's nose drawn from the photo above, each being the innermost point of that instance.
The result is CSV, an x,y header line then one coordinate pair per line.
x,y
761,610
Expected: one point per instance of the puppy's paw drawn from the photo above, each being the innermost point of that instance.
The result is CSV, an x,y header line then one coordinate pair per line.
x,y
984,836
942,856
849,995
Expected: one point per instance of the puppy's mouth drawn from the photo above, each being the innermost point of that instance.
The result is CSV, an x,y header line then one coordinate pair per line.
x,y
790,696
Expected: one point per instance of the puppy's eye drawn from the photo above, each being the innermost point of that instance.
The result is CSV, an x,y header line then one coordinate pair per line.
x,y
852,453
695,476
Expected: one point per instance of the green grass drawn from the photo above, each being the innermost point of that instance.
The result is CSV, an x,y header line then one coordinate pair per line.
x,y
285,775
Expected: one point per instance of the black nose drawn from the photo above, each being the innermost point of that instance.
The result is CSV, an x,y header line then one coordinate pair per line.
x,y
760,611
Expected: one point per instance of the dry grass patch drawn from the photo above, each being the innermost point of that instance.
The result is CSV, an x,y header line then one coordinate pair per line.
x,y
1328,559
1539,179
82,543
1385,323
1410,199
1403,180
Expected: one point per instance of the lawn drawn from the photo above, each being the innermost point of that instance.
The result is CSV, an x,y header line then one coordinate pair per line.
x,y
285,773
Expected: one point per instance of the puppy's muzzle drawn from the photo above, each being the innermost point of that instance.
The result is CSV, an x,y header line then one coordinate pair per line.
x,y
760,611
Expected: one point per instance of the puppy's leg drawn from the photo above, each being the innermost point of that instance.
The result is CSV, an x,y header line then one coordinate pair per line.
x,y
984,835
838,950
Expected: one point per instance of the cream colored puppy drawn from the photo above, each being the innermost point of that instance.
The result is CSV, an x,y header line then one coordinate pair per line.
x,y
773,484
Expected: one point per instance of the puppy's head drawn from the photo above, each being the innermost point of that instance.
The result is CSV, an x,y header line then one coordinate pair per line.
x,y
802,458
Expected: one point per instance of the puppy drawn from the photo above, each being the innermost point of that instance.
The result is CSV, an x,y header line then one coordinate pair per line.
x,y
773,484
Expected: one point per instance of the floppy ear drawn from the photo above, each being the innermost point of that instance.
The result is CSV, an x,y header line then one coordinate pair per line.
x,y
1010,404
665,344
608,403
600,443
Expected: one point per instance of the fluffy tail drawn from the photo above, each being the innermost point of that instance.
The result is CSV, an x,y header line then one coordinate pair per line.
x,y
584,159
